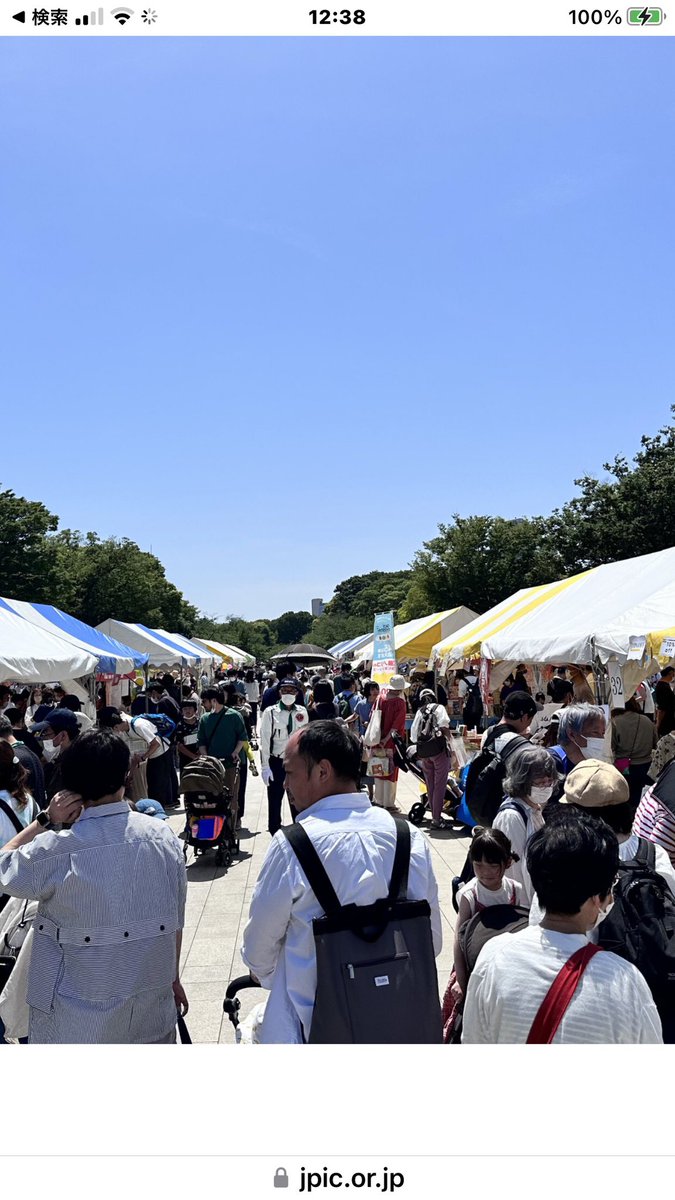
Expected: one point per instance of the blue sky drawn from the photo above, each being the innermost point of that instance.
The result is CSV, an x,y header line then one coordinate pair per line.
x,y
275,308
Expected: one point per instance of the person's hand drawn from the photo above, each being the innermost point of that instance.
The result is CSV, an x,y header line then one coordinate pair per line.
x,y
266,776
180,997
235,759
64,808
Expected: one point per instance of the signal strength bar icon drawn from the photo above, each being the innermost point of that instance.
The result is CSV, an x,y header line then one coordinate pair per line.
x,y
91,18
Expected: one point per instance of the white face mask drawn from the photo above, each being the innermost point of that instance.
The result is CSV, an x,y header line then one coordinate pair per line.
x,y
539,795
49,750
595,748
289,701
602,914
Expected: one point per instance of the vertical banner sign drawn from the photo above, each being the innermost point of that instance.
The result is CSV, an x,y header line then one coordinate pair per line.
x,y
384,652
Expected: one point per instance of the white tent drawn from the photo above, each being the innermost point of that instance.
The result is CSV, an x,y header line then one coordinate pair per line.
x,y
37,656
623,611
233,654
191,648
161,650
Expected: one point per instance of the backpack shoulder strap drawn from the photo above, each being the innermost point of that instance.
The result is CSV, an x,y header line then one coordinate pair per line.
x,y
302,846
558,997
398,887
513,806
646,853
11,815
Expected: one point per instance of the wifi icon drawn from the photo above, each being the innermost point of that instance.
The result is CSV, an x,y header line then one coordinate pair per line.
x,y
122,14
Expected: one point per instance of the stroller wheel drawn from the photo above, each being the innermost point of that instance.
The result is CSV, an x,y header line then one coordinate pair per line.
x,y
416,814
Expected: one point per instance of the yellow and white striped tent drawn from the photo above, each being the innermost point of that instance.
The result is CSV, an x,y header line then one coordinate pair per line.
x,y
623,611
230,654
414,639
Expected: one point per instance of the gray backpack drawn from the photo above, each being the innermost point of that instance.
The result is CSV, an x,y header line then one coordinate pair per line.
x,y
376,972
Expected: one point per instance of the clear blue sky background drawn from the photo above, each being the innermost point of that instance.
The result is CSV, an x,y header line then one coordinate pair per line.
x,y
275,308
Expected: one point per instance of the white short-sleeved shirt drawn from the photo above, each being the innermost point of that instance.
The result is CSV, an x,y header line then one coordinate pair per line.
x,y
612,1002
441,721
477,896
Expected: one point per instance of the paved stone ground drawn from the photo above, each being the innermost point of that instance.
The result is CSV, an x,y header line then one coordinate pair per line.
x,y
218,903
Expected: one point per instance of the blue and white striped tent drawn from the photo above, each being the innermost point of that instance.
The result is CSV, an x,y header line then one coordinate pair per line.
x,y
344,649
113,657
161,649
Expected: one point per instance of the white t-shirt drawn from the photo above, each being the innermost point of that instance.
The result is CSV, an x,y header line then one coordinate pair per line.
x,y
612,1003
252,691
519,833
145,731
441,721
464,684
476,895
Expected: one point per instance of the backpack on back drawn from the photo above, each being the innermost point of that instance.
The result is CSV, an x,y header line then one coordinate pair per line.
x,y
345,709
164,725
484,789
375,966
430,742
473,706
641,925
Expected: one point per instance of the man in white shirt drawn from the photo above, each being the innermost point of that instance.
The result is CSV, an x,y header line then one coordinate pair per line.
x,y
573,864
277,724
355,842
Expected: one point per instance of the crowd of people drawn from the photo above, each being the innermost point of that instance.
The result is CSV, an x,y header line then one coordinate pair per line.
x,y
570,808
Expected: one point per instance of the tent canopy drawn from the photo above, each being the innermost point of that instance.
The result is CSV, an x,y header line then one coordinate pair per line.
x,y
191,648
416,639
606,613
35,655
114,658
161,651
351,646
466,642
233,654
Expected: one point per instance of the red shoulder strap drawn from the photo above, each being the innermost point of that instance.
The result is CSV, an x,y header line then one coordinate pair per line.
x,y
559,995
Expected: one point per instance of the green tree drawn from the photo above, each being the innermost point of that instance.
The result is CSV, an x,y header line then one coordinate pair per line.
x,y
292,627
25,562
478,561
95,579
364,595
632,512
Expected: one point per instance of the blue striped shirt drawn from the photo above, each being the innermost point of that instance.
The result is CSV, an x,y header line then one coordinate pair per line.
x,y
111,894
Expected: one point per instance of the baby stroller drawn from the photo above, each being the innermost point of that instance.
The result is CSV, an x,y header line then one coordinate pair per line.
x,y
211,814
247,1032
453,793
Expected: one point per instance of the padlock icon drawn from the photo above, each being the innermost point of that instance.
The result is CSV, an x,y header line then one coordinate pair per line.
x,y
280,1177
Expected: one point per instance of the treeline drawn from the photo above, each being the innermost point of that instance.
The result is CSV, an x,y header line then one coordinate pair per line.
x,y
475,560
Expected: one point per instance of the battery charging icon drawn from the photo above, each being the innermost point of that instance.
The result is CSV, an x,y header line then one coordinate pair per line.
x,y
645,16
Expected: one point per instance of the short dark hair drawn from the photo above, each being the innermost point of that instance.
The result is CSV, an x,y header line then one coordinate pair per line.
x,y
560,688
213,693
14,716
5,726
491,846
95,765
667,671
575,856
155,686
368,687
322,691
187,703
284,668
518,705
619,817
331,741
345,667
109,717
